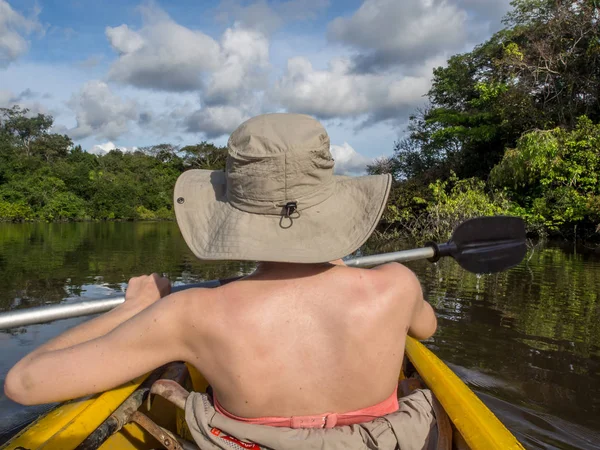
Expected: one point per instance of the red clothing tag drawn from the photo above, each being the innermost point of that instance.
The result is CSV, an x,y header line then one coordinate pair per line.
x,y
246,445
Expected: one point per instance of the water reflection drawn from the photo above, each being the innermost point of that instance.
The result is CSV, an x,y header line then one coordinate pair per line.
x,y
529,336
45,263
527,340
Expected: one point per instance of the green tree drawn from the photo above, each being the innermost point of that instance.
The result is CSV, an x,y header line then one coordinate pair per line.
x,y
541,72
205,156
554,175
43,176
25,130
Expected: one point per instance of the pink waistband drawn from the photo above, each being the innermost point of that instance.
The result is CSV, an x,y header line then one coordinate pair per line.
x,y
326,420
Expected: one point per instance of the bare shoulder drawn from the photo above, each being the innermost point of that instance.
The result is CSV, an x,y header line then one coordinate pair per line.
x,y
193,313
391,287
391,278
403,286
194,300
397,277
191,308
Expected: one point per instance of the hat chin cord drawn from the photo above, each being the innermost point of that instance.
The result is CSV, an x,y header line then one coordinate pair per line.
x,y
290,213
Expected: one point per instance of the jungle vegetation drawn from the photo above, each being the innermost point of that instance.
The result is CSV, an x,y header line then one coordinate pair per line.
x,y
512,127
43,176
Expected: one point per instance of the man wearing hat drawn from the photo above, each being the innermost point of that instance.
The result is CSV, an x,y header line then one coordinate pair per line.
x,y
304,352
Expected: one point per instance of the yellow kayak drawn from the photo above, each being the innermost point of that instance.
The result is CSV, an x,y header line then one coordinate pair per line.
x,y
119,419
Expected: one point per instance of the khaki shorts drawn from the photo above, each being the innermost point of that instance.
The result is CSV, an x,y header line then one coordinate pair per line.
x,y
412,427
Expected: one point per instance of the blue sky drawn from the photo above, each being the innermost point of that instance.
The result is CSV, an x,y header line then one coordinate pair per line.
x,y
134,73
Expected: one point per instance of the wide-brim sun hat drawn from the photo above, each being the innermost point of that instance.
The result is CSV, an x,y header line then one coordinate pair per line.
x,y
278,199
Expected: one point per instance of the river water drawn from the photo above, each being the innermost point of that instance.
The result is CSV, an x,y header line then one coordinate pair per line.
x,y
526,340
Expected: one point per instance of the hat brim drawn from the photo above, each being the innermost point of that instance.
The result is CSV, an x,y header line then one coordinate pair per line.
x,y
215,230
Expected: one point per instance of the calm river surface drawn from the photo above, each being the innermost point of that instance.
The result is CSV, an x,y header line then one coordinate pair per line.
x,y
527,340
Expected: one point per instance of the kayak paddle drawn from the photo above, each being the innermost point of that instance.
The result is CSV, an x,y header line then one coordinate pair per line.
x,y
480,245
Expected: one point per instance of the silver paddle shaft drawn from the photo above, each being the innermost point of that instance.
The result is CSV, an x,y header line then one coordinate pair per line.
x,y
44,314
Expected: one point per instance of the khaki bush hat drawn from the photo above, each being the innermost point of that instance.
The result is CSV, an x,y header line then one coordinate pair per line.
x,y
278,199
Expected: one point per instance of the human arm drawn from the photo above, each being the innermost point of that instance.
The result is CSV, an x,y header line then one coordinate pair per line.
x,y
128,343
422,322
141,292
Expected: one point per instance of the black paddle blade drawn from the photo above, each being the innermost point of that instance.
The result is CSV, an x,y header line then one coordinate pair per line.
x,y
487,244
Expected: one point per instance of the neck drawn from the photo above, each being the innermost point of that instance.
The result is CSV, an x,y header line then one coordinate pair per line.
x,y
268,267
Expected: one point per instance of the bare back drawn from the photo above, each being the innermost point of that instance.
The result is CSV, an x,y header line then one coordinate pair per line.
x,y
290,340
306,339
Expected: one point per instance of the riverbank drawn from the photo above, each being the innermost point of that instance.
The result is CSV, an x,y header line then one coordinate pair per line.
x,y
549,179
436,225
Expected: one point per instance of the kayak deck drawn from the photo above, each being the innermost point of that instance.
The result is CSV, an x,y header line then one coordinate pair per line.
x,y
90,422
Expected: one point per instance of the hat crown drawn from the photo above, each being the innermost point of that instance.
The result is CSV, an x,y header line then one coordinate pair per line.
x,y
277,158
278,199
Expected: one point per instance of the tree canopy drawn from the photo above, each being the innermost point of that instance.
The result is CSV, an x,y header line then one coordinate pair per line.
x,y
510,127
522,107
43,176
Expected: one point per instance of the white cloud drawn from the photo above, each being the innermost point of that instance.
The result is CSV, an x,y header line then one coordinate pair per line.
x,y
229,75
102,149
13,27
163,54
215,121
243,69
348,161
172,83
123,40
391,32
100,112
233,76
233,92
338,92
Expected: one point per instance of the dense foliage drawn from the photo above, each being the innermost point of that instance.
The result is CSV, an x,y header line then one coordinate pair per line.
x,y
43,176
522,107
511,127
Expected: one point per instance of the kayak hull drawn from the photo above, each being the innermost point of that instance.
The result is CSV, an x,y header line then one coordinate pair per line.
x,y
70,424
